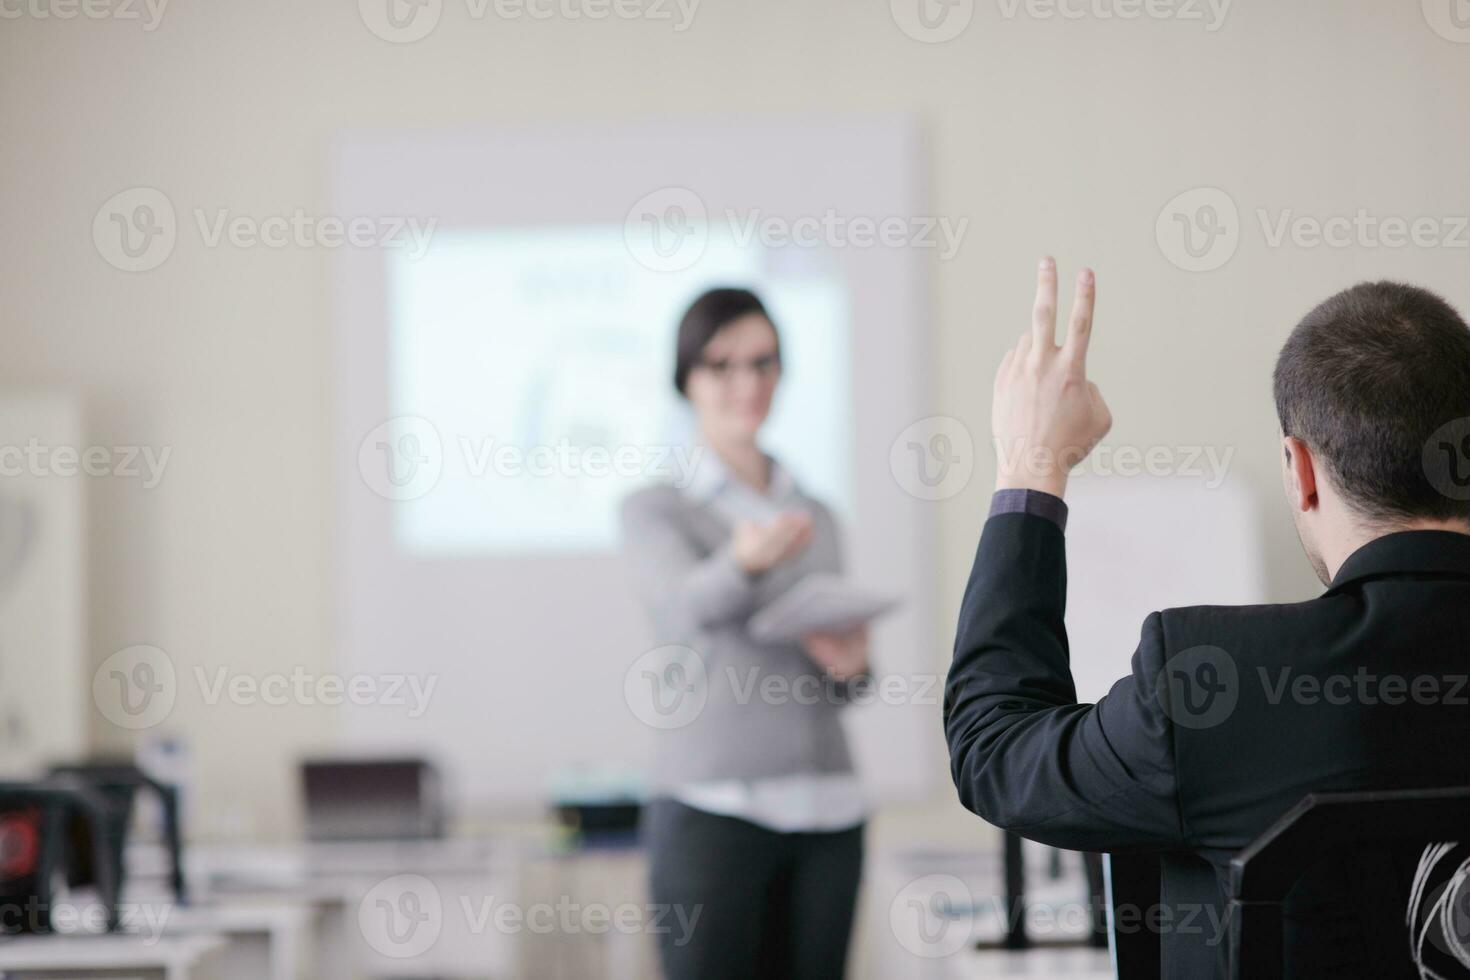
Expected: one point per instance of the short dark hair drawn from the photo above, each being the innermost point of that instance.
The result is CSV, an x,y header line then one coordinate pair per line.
x,y
710,313
1366,380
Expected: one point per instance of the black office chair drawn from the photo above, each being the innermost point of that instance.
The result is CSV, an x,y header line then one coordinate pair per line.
x,y
37,844
1326,825
118,782
1133,881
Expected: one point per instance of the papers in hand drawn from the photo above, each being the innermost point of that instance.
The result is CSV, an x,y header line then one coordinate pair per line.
x,y
819,603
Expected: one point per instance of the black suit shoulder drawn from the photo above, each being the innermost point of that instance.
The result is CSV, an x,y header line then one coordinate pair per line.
x,y
1268,703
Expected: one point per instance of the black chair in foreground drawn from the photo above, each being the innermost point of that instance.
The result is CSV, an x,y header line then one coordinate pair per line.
x,y
1338,831
1133,883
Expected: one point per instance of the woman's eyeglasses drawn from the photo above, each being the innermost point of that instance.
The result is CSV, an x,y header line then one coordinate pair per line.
x,y
723,369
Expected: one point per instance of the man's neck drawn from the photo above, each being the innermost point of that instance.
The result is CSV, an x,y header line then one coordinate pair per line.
x,y
1362,534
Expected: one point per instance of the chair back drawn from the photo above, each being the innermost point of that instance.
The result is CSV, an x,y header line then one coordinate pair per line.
x,y
1326,824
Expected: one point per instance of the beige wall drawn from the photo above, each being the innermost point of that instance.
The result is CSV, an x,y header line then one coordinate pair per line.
x,y
1049,134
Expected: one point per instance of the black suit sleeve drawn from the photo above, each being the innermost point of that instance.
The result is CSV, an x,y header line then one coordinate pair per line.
x,y
1024,754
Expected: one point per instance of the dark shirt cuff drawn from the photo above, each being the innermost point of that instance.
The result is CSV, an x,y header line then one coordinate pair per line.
x,y
1037,502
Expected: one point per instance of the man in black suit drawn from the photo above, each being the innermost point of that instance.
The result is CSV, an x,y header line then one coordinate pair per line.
x,y
1232,714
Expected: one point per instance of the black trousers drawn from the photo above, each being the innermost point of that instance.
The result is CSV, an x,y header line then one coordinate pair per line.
x,y
769,905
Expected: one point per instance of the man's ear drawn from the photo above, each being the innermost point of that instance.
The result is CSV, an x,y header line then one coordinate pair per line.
x,y
1301,473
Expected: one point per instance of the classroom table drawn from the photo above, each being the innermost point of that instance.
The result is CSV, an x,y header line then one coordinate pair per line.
x,y
99,957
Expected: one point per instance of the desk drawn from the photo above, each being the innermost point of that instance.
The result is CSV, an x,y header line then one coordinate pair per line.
x,y
459,881
267,940
465,882
260,946
74,957
613,879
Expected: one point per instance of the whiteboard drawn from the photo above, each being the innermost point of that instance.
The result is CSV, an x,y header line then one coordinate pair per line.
x,y
528,651
1137,544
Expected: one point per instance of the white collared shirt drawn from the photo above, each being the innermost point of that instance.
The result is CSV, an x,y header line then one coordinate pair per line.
x,y
803,802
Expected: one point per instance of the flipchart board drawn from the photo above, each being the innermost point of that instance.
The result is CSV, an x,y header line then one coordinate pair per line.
x,y
1143,543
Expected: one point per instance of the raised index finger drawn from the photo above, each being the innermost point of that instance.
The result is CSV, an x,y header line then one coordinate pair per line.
x,y
1079,330
1044,314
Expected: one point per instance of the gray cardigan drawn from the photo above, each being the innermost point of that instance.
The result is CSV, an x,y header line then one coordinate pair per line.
x,y
770,710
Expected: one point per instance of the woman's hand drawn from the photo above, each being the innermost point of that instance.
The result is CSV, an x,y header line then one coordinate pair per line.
x,y
761,547
842,655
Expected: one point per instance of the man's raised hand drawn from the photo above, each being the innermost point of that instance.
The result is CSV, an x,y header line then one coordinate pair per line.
x,y
1046,416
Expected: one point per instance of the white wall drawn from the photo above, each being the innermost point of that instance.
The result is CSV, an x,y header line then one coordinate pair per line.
x,y
1056,134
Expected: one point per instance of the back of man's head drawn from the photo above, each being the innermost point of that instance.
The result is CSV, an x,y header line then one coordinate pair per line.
x,y
1376,382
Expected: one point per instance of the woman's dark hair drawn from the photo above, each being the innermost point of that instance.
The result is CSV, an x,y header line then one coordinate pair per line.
x,y
1376,380
708,315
